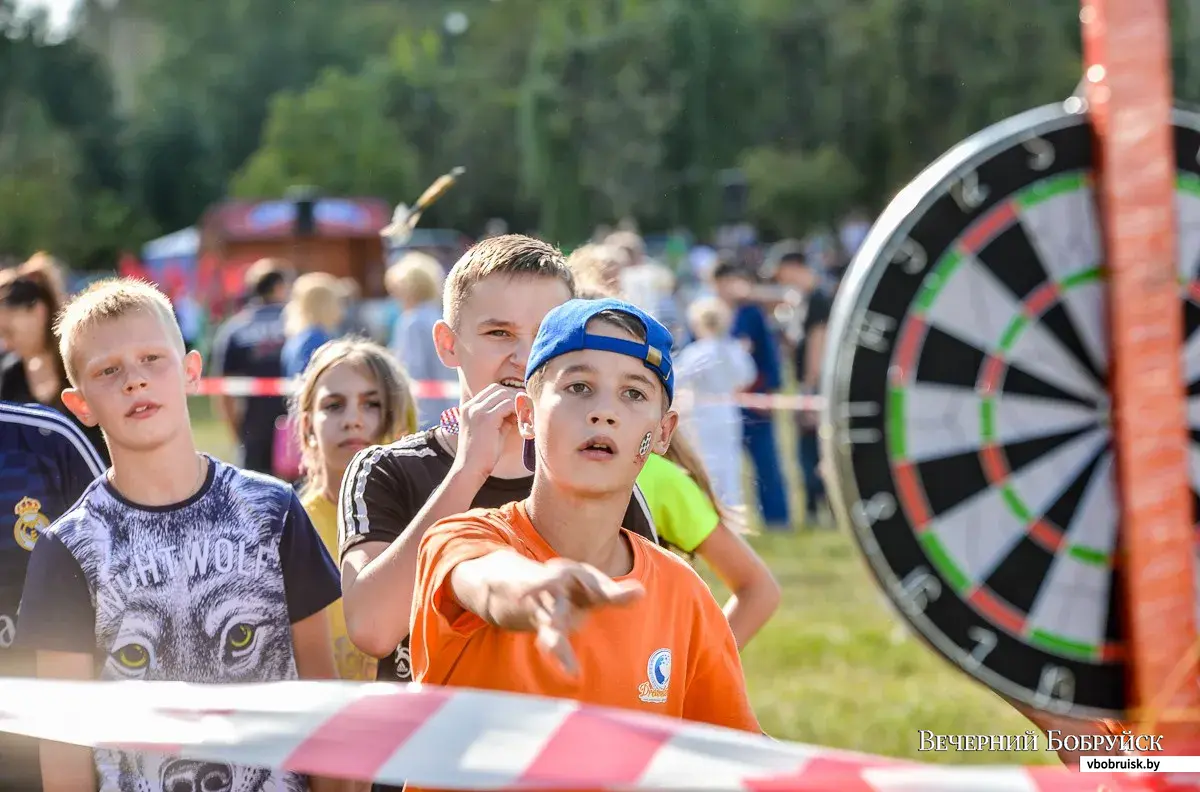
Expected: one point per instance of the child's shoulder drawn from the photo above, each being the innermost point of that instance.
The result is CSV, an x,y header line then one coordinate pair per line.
x,y
667,563
503,524
418,450
233,481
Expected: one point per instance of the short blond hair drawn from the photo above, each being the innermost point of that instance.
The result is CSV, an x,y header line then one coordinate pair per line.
x,y
512,255
709,317
316,301
415,278
104,301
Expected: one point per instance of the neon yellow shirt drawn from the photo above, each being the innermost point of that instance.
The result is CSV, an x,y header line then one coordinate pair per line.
x,y
351,663
682,513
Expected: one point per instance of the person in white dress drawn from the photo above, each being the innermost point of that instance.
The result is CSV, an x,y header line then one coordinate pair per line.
x,y
713,369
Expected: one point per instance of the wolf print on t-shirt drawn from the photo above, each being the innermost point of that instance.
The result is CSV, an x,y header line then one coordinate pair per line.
x,y
193,593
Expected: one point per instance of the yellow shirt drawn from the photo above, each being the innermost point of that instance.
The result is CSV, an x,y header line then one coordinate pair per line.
x,y
351,663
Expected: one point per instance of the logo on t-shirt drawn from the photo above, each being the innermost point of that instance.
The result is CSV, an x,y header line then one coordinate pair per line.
x,y
658,674
30,522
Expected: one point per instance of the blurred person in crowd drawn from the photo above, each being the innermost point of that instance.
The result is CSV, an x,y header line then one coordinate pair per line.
x,y
312,316
598,267
796,272
415,281
353,323
47,464
714,369
735,288
31,371
647,283
852,232
250,344
496,226
353,394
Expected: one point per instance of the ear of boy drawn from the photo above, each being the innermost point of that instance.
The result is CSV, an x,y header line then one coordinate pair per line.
x,y
74,401
486,421
443,343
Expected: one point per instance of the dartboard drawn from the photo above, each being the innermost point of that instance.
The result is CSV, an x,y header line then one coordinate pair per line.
x,y
967,417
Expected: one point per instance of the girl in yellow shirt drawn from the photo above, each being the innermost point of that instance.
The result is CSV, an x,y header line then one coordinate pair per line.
x,y
353,394
690,518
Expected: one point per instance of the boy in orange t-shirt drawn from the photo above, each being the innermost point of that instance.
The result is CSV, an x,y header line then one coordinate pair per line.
x,y
551,596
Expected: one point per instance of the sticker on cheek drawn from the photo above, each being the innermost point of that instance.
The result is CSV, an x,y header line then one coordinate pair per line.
x,y
645,448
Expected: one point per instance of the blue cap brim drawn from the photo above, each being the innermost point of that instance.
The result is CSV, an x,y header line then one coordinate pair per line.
x,y
528,455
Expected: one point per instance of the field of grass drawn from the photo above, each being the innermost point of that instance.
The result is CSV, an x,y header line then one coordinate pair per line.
x,y
835,667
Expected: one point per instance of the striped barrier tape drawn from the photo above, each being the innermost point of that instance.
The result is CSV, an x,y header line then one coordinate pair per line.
x,y
450,738
437,389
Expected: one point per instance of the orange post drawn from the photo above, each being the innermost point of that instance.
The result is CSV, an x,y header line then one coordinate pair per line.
x,y
1129,94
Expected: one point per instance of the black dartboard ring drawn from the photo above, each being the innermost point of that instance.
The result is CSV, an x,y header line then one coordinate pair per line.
x,y
966,427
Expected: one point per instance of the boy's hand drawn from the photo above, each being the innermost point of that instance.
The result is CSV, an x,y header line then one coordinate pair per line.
x,y
556,606
485,423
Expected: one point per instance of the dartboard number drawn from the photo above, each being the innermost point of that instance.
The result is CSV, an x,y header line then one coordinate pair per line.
x,y
873,331
911,257
850,435
985,642
919,588
1056,686
881,506
969,194
1041,153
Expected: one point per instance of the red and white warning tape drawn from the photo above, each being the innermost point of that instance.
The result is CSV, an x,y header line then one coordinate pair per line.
x,y
466,739
437,389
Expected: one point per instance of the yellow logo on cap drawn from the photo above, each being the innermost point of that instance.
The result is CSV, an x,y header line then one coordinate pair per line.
x,y
30,522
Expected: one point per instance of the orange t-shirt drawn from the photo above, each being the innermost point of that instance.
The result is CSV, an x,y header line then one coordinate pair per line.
x,y
670,653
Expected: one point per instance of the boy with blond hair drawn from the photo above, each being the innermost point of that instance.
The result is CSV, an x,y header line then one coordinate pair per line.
x,y
173,566
495,298
550,596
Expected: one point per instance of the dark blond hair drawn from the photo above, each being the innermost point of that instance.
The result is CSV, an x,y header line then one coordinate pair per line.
x,y
399,407
511,254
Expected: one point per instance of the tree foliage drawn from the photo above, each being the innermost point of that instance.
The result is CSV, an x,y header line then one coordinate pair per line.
x,y
566,114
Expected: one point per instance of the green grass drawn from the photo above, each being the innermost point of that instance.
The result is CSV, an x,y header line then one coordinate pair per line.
x,y
834,667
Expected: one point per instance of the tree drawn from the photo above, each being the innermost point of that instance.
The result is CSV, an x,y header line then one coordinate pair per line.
x,y
334,137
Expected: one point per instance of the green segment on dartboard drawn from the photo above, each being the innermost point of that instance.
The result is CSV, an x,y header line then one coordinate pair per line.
x,y
945,564
1063,646
1188,183
934,282
1049,188
896,431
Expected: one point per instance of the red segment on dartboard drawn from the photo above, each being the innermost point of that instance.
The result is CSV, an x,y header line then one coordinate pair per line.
x,y
912,495
906,354
999,218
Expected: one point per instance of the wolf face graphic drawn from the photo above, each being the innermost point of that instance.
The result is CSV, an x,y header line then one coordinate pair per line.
x,y
192,594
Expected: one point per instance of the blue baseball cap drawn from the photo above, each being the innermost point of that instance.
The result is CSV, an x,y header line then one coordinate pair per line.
x,y
564,330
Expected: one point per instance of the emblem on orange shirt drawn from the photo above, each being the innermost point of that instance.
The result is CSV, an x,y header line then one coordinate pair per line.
x,y
658,677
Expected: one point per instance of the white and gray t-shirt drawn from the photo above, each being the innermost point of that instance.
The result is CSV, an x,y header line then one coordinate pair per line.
x,y
201,591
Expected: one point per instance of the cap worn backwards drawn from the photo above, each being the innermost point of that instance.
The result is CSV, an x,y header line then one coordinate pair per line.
x,y
564,330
